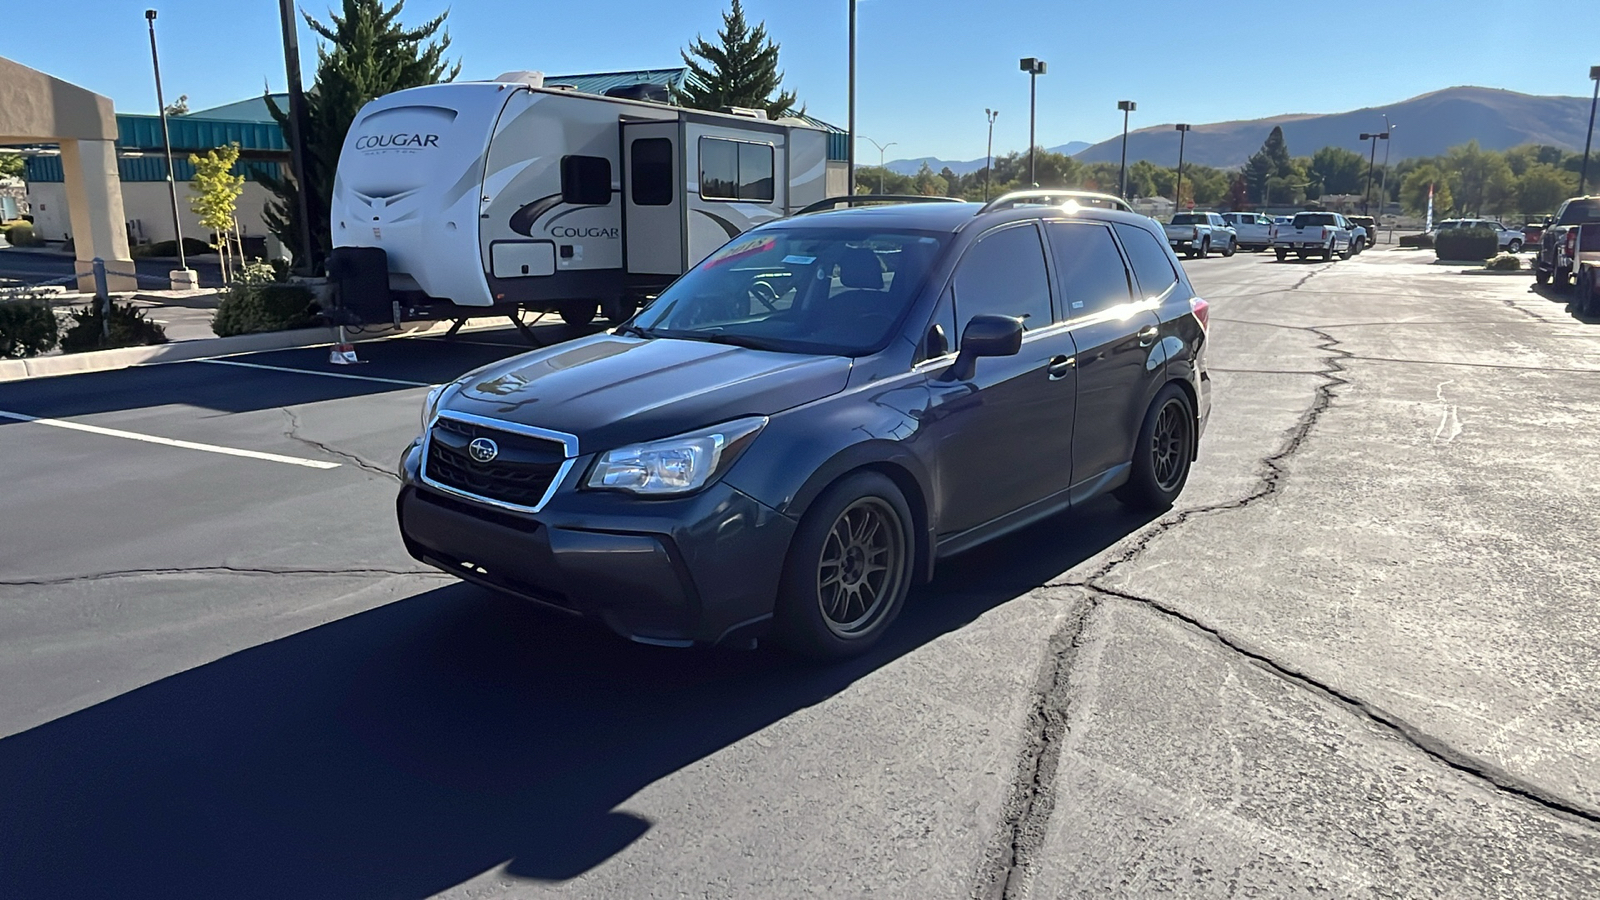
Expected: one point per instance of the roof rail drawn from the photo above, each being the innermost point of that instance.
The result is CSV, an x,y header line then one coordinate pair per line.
x,y
1055,198
863,199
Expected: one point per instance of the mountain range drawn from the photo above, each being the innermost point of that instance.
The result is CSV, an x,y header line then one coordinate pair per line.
x,y
1426,125
963,167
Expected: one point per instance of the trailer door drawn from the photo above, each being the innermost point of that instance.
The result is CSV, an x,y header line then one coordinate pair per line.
x,y
653,205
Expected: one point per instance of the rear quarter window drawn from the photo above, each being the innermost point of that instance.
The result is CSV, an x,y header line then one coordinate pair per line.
x,y
1150,258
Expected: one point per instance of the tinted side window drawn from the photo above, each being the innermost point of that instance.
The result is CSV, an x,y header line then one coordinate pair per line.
x,y
755,172
585,180
719,169
1088,267
1152,264
652,172
1004,275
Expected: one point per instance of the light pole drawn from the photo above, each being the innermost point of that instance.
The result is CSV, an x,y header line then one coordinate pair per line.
x,y
988,157
850,157
1034,68
1127,106
881,148
1177,195
1588,138
1371,158
1384,190
166,139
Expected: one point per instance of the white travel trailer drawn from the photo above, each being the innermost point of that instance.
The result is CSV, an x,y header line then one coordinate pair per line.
x,y
490,196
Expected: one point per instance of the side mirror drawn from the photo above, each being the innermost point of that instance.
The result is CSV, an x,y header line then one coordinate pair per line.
x,y
986,336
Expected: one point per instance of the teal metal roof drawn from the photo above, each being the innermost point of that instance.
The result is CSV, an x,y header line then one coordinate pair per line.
x,y
136,132
252,110
600,82
47,169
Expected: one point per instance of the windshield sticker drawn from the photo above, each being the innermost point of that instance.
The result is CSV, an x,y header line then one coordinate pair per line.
x,y
799,260
739,251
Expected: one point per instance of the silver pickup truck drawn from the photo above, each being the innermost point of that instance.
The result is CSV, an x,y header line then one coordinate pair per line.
x,y
1255,230
1197,234
1315,234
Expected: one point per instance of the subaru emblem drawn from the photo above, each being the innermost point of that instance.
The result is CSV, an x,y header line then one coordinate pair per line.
x,y
483,450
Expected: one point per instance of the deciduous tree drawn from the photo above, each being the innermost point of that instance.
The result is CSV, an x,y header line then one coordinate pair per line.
x,y
215,193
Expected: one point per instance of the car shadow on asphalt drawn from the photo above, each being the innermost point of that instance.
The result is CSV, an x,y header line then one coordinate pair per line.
x,y
404,750
1567,297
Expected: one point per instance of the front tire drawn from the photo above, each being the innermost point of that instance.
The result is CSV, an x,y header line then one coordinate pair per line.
x,y
1514,247
1229,249
1163,454
848,571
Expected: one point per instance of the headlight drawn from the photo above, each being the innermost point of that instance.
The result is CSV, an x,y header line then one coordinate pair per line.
x,y
431,405
675,465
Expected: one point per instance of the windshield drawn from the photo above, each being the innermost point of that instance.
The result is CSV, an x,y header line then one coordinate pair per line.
x,y
797,290
1190,219
1301,220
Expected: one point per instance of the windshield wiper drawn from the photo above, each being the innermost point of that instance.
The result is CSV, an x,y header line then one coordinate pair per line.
x,y
635,330
747,342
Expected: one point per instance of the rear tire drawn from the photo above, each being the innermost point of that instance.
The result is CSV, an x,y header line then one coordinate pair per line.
x,y
1163,454
848,570
1205,248
618,310
579,312
1562,278
1514,247
1540,276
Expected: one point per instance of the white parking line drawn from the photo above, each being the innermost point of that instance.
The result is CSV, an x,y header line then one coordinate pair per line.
x,y
169,442
293,371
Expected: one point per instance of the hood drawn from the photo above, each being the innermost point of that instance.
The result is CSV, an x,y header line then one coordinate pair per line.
x,y
610,390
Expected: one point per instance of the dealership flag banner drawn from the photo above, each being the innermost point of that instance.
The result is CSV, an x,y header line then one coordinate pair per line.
x,y
1428,226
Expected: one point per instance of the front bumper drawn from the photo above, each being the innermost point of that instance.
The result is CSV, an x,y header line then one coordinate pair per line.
x,y
701,569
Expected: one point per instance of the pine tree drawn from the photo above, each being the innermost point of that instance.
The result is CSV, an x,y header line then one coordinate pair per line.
x,y
1271,161
741,70
364,54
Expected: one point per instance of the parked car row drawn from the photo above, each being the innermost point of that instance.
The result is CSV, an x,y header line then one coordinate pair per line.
x,y
1320,234
1558,246
1510,240
1306,234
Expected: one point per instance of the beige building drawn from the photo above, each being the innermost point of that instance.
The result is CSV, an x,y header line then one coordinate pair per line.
x,y
38,109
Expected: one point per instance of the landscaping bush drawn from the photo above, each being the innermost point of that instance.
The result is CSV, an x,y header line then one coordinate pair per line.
x,y
21,235
28,327
1466,243
1505,262
161,249
257,303
129,328
1420,239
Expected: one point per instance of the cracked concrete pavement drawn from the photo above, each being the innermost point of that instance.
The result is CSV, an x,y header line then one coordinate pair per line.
x,y
1357,659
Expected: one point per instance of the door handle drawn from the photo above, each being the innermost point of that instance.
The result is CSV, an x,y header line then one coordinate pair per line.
x,y
1147,336
1061,366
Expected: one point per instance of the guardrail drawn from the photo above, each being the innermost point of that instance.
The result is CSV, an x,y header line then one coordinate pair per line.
x,y
32,292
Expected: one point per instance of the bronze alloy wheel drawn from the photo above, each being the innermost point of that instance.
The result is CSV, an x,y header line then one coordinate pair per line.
x,y
1169,444
861,566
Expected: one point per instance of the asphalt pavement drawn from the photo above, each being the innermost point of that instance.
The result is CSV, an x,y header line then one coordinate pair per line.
x,y
1356,660
28,266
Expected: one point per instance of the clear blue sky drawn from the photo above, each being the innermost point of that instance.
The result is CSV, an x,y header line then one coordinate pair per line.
x,y
927,68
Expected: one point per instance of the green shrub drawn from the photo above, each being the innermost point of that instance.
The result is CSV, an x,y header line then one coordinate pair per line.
x,y
161,249
28,327
1465,243
257,303
1505,262
129,328
1421,239
22,235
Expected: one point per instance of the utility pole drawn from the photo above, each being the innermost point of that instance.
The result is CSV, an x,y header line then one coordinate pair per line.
x,y
297,131
166,140
850,157
1034,68
1127,106
1383,191
1372,157
1177,195
988,158
1583,174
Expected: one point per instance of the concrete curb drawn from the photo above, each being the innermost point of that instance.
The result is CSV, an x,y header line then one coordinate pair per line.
x,y
1523,272
211,348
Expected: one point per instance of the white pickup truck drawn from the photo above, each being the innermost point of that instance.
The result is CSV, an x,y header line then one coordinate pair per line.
x,y
1197,234
1315,234
1255,230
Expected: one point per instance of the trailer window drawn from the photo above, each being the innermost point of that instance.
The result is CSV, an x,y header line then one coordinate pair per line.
x,y
651,160
736,171
585,180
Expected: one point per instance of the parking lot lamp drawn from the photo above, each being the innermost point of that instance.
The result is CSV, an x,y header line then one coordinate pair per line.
x,y
1034,68
166,139
1588,138
1372,157
881,148
298,158
1383,190
988,159
1127,106
1177,194
850,157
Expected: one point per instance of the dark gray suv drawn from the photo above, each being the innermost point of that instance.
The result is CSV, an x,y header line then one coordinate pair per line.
x,y
794,432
